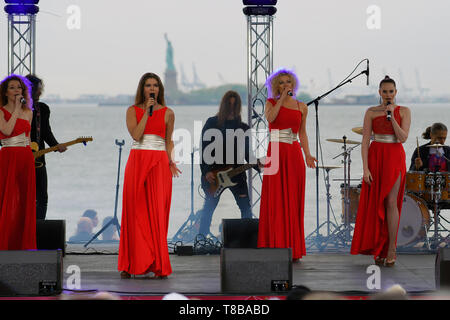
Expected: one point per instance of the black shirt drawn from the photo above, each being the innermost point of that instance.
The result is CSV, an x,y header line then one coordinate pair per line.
x,y
216,140
46,135
425,155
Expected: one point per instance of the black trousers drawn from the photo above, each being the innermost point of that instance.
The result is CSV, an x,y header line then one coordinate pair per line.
x,y
41,192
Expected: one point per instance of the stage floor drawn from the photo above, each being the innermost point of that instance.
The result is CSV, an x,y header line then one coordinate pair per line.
x,y
200,274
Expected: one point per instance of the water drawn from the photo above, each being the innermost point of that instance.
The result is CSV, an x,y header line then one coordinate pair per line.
x,y
85,177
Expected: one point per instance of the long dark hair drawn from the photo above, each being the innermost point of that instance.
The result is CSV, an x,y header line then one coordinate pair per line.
x,y
140,90
35,82
433,130
226,108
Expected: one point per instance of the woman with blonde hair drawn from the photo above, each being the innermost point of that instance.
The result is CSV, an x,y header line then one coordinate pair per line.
x,y
283,189
17,174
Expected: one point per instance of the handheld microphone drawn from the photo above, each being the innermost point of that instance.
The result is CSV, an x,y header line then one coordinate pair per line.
x,y
150,112
22,100
290,93
389,115
367,72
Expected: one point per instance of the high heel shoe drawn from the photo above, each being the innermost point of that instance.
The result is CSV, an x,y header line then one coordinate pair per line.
x,y
379,261
390,263
125,275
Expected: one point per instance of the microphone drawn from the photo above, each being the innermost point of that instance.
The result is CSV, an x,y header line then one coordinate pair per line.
x,y
367,72
290,93
22,100
150,112
389,115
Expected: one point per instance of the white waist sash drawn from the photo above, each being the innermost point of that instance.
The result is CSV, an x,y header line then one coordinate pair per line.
x,y
284,135
150,142
385,138
18,141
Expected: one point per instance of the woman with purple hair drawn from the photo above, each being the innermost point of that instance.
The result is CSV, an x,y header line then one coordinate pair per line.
x,y
283,189
17,175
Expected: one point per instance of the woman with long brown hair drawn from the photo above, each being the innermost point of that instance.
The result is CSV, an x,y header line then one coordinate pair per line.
x,y
147,190
17,176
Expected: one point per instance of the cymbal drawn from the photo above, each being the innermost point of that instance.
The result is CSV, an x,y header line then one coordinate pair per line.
x,y
329,167
342,141
436,145
357,130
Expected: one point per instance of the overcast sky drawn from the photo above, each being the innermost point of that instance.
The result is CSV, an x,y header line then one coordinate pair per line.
x,y
118,41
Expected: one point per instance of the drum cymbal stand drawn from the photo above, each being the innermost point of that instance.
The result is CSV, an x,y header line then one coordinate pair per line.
x,y
435,181
343,233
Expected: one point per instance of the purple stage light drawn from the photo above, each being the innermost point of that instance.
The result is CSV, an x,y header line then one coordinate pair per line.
x,y
21,6
260,2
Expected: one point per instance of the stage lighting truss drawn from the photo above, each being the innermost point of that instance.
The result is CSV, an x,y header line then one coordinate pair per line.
x,y
21,35
259,67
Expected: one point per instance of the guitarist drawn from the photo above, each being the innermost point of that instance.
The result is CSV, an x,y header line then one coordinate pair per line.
x,y
226,121
41,133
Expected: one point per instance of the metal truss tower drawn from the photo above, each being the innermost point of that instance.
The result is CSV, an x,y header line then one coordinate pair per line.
x,y
21,36
259,67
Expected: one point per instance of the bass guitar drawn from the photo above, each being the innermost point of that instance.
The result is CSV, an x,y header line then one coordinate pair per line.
x,y
39,153
222,178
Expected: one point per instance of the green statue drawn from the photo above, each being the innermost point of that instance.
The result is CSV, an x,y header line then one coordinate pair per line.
x,y
169,54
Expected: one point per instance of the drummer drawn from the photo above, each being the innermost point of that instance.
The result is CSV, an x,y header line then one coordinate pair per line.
x,y
432,158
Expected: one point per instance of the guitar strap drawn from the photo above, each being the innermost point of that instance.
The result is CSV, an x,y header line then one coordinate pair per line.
x,y
38,124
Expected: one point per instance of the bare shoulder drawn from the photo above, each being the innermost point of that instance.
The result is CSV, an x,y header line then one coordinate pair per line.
x,y
303,107
404,110
370,112
170,115
170,111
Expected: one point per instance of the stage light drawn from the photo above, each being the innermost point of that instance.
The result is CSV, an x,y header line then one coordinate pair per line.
x,y
260,2
22,6
260,7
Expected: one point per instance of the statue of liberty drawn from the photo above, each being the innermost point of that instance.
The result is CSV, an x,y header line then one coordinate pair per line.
x,y
169,55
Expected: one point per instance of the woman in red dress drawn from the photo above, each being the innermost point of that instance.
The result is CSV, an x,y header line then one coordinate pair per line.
x,y
283,189
147,190
384,165
17,175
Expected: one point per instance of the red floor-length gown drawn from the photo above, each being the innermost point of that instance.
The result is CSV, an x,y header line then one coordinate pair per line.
x,y
283,192
147,194
17,192
386,162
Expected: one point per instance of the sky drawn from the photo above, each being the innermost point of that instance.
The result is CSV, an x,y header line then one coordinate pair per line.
x,y
113,43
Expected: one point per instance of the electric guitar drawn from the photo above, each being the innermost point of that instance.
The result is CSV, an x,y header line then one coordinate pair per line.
x,y
223,178
39,153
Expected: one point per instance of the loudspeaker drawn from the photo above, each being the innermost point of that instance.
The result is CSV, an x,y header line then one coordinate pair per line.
x,y
51,235
31,272
442,268
240,233
261,270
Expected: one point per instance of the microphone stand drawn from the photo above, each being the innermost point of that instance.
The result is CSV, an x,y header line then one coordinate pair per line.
x,y
114,220
189,228
316,104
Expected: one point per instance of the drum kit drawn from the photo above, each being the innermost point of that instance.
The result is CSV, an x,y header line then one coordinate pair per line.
x,y
425,192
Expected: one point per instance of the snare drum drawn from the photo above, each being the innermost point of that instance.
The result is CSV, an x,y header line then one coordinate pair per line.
x,y
414,219
415,181
354,194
